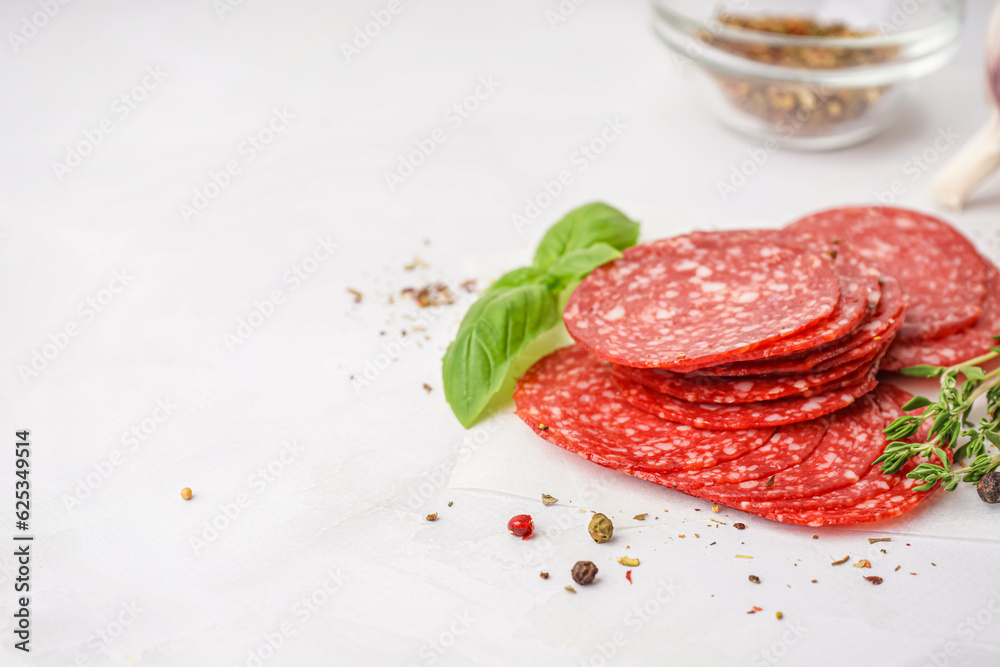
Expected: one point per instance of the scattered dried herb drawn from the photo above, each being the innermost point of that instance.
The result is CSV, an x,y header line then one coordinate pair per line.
x,y
863,563
548,500
450,503
873,540
739,526
742,556
427,388
543,575
841,561
358,296
754,579
630,562
417,262
875,580
770,482
715,507
570,589
584,572
641,517
600,528
432,517
755,610
434,294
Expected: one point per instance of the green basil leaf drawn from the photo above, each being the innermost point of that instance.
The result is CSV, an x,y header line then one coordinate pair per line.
x,y
584,227
494,331
578,263
526,275
923,371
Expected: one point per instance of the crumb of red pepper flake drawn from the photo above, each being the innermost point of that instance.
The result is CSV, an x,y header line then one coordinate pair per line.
x,y
628,575
755,610
427,388
358,296
875,580
739,526
434,294
543,575
863,563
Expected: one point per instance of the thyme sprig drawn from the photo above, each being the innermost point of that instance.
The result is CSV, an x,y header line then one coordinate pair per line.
x,y
948,420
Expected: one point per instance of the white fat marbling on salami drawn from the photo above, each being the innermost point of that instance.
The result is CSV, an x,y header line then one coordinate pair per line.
x,y
939,269
571,395
681,300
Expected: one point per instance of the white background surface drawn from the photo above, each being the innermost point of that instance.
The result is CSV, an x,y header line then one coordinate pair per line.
x,y
339,520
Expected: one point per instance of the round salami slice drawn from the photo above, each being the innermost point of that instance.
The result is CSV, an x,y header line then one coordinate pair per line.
x,y
787,447
939,269
950,350
681,301
568,398
865,342
897,500
854,439
759,414
713,389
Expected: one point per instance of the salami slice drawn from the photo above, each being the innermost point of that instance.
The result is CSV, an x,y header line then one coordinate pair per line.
x,y
844,456
957,347
787,447
681,301
865,342
946,285
759,414
568,399
711,389
890,503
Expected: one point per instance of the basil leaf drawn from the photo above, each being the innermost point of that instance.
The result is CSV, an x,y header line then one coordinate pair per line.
x,y
494,331
584,227
578,263
526,275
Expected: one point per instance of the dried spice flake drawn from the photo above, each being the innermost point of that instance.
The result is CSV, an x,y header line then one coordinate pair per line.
x,y
543,575
570,589
358,296
742,556
739,526
841,561
427,388
755,610
875,580
770,482
628,575
630,562
548,500
754,579
863,563
715,507
432,517
450,503
434,294
641,517
873,540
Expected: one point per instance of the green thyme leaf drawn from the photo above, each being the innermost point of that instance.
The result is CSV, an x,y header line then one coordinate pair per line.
x,y
916,403
923,371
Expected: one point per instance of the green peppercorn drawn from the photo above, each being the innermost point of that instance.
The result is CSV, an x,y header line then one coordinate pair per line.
x,y
600,528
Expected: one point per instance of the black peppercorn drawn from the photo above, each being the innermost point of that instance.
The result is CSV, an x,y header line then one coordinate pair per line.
x,y
584,572
989,487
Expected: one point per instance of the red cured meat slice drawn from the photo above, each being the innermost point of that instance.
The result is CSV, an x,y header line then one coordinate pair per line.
x,y
939,270
709,389
675,300
957,347
787,447
788,410
873,336
854,440
897,500
874,482
568,399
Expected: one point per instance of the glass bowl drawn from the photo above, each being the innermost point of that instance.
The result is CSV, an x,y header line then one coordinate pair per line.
x,y
809,74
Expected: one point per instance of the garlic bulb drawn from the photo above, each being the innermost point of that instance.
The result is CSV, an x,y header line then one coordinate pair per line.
x,y
980,156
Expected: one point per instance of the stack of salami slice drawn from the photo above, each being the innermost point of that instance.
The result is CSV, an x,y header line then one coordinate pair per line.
x,y
739,367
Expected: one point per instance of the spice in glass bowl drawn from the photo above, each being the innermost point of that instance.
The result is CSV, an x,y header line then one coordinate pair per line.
x,y
809,104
